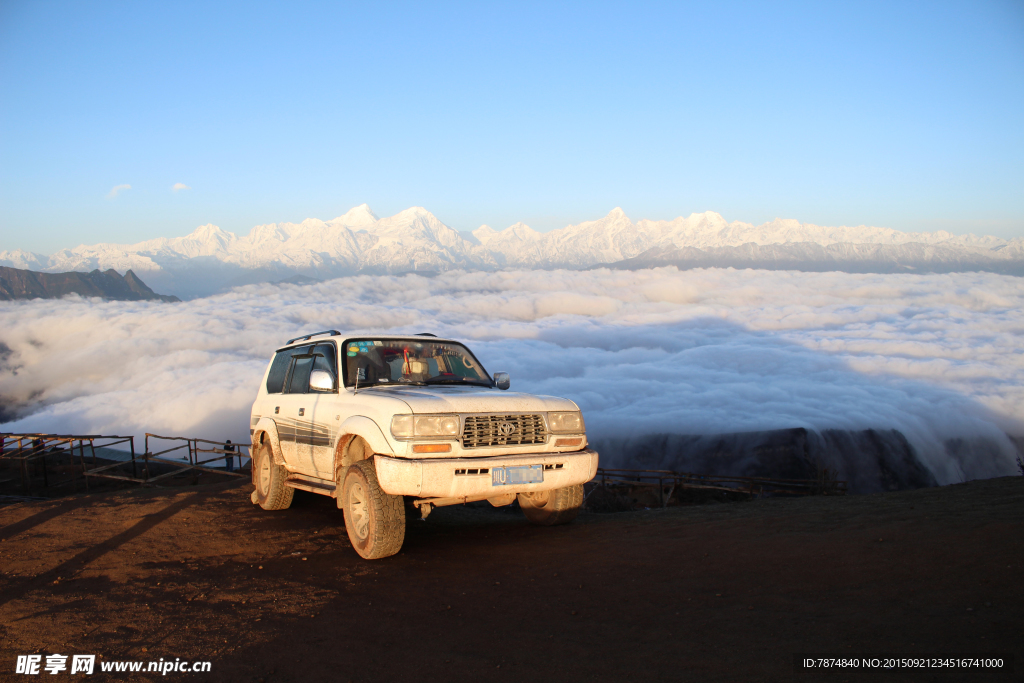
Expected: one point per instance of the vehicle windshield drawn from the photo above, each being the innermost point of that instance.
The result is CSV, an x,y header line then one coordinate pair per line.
x,y
379,361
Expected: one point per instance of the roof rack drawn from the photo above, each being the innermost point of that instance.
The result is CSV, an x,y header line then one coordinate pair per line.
x,y
333,333
425,334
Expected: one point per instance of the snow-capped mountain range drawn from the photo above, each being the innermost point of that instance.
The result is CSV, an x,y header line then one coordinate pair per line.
x,y
210,259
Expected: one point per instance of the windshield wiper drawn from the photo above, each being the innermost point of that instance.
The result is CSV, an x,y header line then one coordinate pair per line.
x,y
384,385
456,380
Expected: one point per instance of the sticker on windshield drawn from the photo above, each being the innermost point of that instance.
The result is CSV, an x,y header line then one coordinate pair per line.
x,y
351,353
378,343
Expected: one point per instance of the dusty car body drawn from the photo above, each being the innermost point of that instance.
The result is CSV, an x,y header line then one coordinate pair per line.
x,y
392,423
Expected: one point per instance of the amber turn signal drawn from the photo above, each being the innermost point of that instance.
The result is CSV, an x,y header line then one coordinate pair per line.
x,y
568,442
432,448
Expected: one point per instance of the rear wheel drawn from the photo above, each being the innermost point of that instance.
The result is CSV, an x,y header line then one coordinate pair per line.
x,y
555,506
271,491
374,520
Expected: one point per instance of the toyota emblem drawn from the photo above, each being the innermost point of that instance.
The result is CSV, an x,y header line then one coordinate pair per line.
x,y
506,428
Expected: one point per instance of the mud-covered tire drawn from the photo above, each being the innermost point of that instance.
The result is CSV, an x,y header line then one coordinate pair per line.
x,y
271,491
374,520
555,506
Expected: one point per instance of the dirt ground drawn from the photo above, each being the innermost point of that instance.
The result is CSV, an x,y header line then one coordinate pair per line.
x,y
721,592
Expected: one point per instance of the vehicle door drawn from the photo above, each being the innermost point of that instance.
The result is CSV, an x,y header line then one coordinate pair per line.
x,y
294,419
325,415
277,400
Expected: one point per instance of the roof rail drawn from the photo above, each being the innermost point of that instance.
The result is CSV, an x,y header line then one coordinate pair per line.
x,y
425,334
333,333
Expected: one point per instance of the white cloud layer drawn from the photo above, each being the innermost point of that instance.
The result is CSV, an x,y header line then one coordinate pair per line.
x,y
179,186
117,189
642,352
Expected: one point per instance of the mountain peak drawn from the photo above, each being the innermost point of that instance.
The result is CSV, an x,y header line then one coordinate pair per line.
x,y
358,216
521,230
617,212
417,211
209,231
484,234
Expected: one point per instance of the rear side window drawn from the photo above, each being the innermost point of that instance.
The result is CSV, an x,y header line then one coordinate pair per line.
x,y
278,379
278,371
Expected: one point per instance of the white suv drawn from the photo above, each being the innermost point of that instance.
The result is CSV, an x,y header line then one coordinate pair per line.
x,y
410,420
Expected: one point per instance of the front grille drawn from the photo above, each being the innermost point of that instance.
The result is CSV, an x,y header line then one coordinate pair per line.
x,y
482,431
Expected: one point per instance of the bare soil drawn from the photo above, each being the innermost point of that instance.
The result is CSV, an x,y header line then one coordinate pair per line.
x,y
719,592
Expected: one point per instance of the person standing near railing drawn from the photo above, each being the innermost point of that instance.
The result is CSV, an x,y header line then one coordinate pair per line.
x,y
229,460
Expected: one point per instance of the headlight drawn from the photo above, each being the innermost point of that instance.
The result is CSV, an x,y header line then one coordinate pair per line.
x,y
408,426
566,423
401,425
437,426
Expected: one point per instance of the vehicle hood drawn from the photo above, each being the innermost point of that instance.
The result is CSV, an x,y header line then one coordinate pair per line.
x,y
475,400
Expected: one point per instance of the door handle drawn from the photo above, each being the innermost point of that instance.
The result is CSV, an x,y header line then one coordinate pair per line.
x,y
302,411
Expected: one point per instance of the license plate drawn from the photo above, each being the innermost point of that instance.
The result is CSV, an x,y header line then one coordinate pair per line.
x,y
520,474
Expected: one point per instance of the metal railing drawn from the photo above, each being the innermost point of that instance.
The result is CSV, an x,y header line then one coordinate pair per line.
x,y
825,484
28,451
239,451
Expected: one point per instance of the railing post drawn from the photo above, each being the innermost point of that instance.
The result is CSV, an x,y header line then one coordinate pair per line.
x,y
46,476
74,473
81,454
131,442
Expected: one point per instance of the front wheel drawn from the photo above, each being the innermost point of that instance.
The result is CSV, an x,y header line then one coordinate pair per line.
x,y
555,506
374,520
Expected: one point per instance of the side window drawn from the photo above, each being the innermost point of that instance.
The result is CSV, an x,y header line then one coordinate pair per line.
x,y
278,371
324,360
298,380
327,359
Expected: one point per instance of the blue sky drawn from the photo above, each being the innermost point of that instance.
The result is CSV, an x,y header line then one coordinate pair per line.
x,y
904,115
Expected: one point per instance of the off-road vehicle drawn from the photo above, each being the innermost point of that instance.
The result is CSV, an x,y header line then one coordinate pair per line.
x,y
387,424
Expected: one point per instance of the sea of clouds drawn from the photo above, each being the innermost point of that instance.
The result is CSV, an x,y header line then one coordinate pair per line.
x,y
936,357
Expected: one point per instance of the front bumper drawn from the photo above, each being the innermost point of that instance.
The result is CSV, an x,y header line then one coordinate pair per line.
x,y
471,477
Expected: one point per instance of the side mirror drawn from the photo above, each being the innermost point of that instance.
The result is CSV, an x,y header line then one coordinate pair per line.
x,y
321,380
501,380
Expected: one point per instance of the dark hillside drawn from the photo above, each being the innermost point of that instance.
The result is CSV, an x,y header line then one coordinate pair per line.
x,y
16,283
